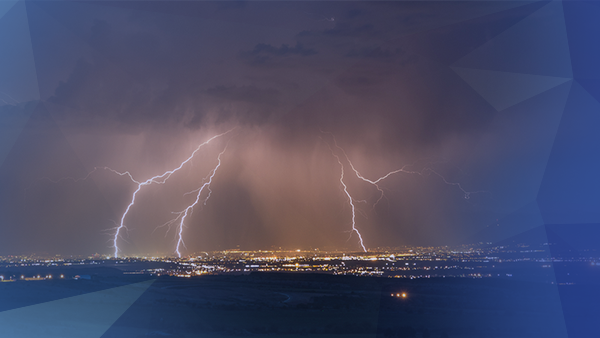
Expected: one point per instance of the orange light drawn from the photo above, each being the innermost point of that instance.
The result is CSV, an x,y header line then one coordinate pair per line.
x,y
403,295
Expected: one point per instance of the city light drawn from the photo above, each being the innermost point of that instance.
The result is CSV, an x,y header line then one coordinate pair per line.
x,y
465,261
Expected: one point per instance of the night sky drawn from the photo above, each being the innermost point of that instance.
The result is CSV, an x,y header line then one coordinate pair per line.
x,y
137,86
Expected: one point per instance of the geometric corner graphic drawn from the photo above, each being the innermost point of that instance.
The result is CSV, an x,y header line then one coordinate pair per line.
x,y
569,190
12,121
5,6
18,78
503,89
591,86
581,18
453,41
49,41
86,316
538,44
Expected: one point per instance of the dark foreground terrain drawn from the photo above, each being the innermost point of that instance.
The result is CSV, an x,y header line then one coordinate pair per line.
x,y
294,305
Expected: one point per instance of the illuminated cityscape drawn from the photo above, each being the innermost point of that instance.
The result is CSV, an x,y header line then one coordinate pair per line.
x,y
475,261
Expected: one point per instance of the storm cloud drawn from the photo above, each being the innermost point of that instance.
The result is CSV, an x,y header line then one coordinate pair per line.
x,y
142,85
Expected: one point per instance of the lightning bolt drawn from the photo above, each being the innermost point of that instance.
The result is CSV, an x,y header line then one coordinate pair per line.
x,y
423,172
187,211
158,179
75,180
350,199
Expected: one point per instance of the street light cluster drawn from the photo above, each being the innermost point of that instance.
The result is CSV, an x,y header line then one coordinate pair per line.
x,y
400,295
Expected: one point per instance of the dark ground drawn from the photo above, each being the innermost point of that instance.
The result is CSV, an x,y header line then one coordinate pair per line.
x,y
294,305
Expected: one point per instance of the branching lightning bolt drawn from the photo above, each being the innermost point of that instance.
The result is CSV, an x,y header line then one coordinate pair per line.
x,y
350,199
404,169
182,215
423,172
159,179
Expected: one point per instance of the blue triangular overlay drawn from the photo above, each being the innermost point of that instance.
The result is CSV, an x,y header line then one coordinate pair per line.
x,y
13,119
519,222
536,45
449,43
5,6
88,315
50,39
573,244
504,89
18,78
582,23
592,86
520,141
570,191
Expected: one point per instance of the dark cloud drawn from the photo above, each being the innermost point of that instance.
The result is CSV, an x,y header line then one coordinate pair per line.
x,y
376,52
264,53
238,105
150,84
283,50
245,94
345,30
